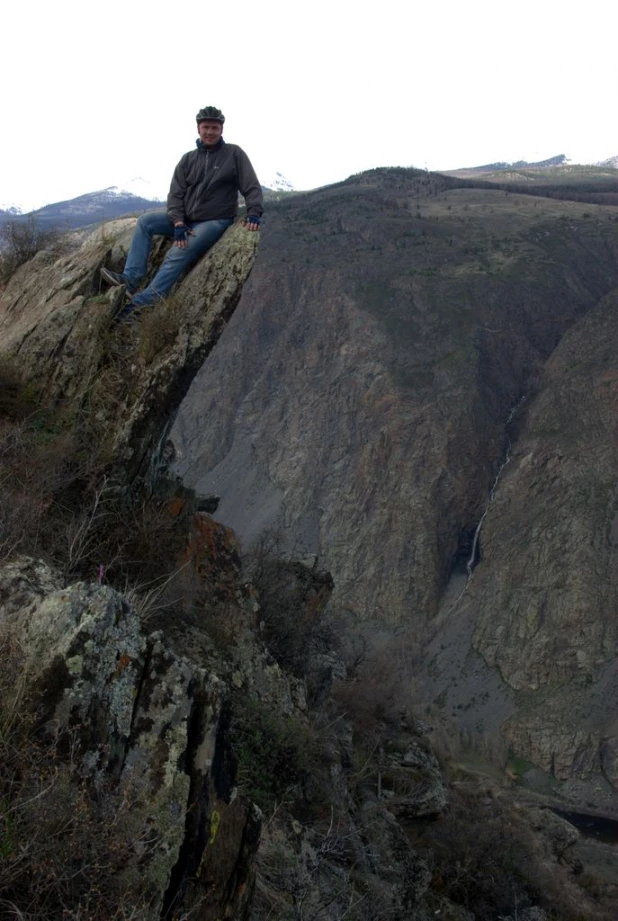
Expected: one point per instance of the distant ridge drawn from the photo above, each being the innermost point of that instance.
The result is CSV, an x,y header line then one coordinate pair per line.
x,y
9,211
91,208
559,160
558,170
107,204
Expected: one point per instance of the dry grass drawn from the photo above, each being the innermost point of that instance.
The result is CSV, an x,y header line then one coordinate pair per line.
x,y
57,503
158,328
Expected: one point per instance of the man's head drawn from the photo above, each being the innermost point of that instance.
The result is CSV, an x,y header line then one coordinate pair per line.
x,y
210,125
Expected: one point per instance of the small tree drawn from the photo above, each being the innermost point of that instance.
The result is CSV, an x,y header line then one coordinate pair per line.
x,y
19,242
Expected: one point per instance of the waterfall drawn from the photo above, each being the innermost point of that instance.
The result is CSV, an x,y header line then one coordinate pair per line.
x,y
492,492
505,462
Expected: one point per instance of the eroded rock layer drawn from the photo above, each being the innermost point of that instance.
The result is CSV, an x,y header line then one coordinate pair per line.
x,y
359,398
362,402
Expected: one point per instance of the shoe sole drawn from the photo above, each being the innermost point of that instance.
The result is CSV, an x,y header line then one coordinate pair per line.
x,y
107,276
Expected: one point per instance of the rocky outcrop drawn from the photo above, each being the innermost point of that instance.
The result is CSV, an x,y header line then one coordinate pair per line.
x,y
420,788
125,383
149,728
140,729
366,868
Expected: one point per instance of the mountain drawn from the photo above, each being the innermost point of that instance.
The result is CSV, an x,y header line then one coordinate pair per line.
x,y
420,386
131,197
84,210
404,335
559,160
140,188
545,175
278,183
9,212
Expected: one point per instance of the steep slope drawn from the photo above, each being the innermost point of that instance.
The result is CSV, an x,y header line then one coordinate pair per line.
x,y
547,590
359,404
389,327
527,641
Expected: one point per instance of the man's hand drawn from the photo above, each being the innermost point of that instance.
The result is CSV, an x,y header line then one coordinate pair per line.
x,y
252,222
181,233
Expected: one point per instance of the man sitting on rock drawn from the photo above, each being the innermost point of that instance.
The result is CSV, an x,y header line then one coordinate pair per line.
x,y
201,205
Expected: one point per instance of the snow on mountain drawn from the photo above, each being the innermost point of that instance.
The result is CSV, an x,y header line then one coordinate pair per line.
x,y
278,183
91,208
125,191
140,188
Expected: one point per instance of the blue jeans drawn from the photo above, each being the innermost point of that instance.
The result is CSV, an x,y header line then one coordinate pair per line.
x,y
177,260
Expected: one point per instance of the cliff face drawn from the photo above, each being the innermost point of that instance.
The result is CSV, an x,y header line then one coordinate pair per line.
x,y
56,328
549,539
361,394
360,400
546,590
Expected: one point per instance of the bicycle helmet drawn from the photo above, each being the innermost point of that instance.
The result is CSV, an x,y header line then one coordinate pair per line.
x,y
210,113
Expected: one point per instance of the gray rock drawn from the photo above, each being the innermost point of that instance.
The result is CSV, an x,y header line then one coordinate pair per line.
x,y
56,327
148,728
24,583
426,791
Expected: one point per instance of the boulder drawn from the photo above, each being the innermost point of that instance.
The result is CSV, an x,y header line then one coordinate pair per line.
x,y
125,382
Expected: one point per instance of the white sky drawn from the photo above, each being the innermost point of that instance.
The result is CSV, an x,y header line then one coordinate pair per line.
x,y
94,94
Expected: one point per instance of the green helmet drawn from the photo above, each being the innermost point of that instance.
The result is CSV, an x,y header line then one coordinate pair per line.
x,y
210,113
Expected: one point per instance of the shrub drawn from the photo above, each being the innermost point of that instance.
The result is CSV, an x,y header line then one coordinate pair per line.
x,y
158,326
486,857
293,601
381,691
56,500
275,752
17,400
19,242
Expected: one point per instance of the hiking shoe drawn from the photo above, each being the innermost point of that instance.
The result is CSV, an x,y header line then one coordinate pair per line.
x,y
115,279
126,314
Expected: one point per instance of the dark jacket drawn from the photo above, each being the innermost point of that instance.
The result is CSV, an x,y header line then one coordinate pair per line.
x,y
206,183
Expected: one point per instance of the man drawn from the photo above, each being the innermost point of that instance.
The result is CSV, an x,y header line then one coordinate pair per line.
x,y
201,205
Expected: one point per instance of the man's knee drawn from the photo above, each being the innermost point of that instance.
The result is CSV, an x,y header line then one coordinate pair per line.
x,y
155,222
207,233
145,220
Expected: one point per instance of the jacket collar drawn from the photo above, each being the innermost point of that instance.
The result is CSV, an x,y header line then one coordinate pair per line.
x,y
217,146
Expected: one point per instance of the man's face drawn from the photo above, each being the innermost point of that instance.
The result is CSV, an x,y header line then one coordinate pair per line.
x,y
209,131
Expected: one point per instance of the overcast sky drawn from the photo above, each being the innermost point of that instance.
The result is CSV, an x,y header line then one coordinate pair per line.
x,y
96,94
